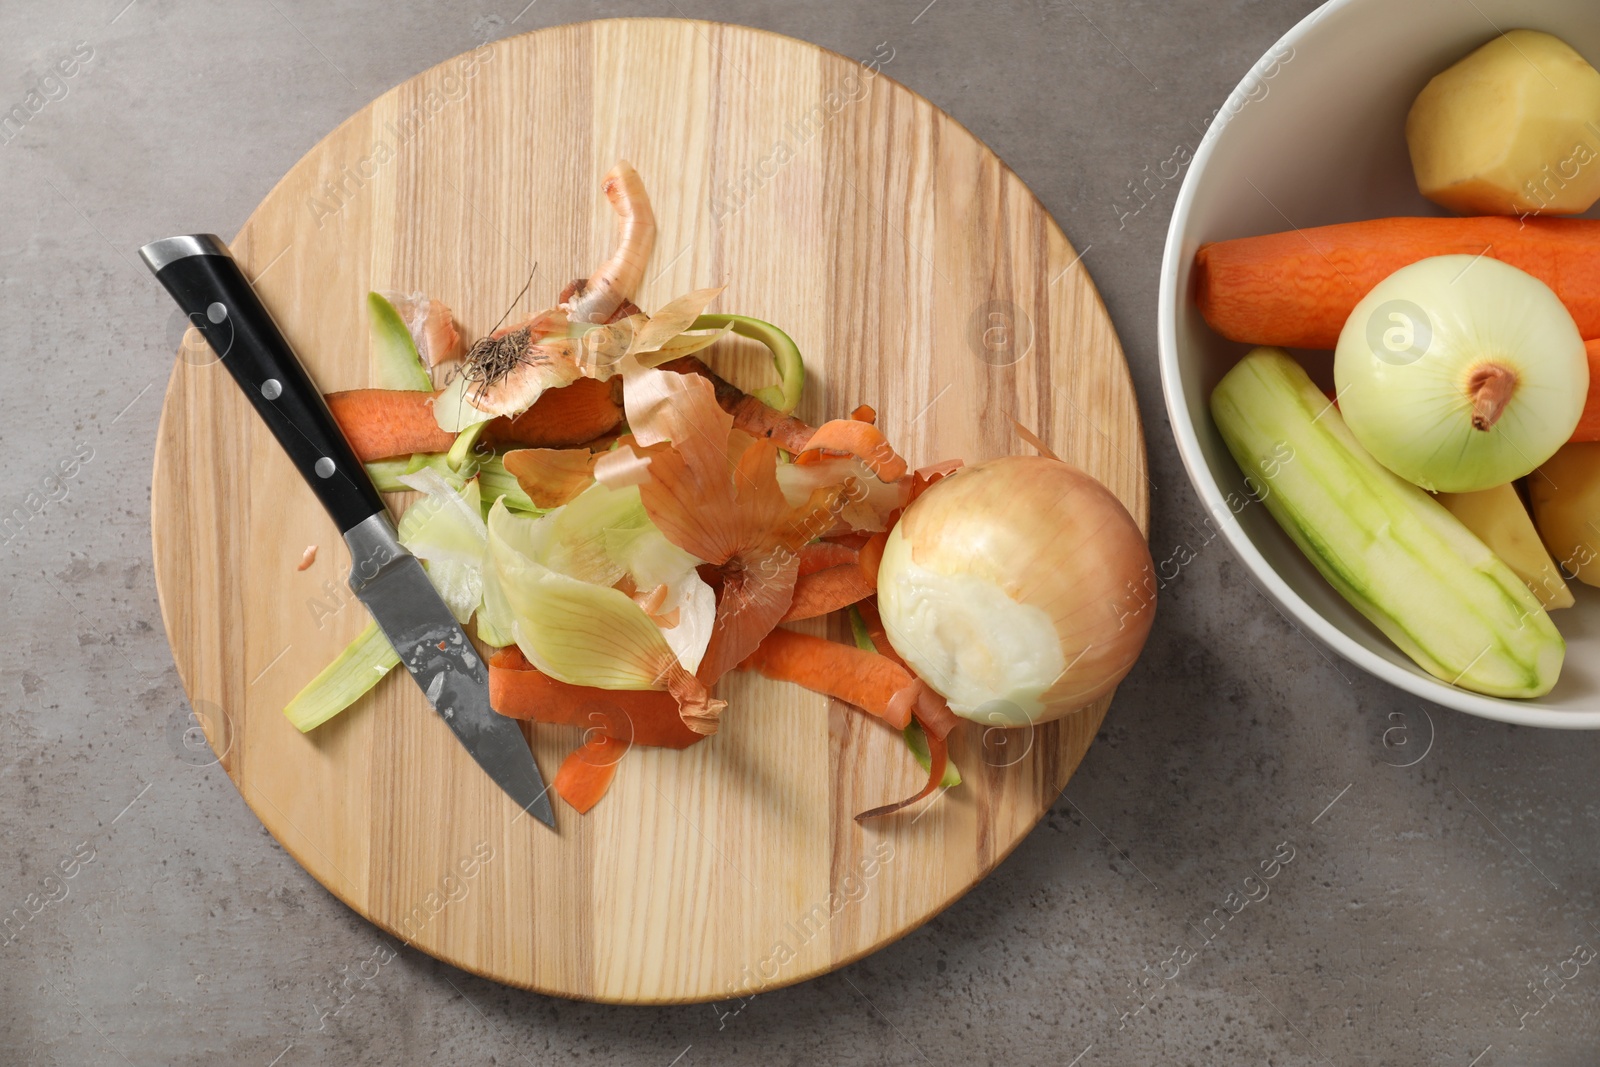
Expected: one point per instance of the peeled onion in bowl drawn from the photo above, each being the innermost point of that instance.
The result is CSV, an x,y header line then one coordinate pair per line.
x,y
1020,589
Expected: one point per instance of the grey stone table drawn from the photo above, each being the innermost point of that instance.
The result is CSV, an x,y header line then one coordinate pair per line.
x,y
1433,898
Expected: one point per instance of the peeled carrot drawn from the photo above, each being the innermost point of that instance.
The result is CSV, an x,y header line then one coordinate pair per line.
x,y
586,774
1298,288
575,414
643,717
869,681
828,590
385,423
1589,423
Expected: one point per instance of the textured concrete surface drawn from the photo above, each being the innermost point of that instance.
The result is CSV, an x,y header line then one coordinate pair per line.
x,y
1433,889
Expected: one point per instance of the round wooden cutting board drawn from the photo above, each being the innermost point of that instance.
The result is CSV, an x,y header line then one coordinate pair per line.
x,y
917,274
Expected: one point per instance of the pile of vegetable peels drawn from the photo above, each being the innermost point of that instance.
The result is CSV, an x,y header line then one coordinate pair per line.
x,y
624,526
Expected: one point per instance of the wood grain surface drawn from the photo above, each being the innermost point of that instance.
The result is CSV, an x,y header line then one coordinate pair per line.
x,y
917,274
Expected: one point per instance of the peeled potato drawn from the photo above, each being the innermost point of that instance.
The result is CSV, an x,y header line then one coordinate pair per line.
x,y
1565,493
1498,518
1512,129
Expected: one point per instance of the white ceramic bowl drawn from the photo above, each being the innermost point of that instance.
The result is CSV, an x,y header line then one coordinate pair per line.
x,y
1314,134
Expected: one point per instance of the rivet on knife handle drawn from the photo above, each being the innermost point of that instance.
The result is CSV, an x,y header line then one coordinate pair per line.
x,y
208,285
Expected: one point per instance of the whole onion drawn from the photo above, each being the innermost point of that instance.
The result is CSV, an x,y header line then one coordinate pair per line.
x,y
1019,589
1461,373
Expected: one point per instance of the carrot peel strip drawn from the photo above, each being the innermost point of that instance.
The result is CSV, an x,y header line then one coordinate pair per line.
x,y
875,630
934,713
820,555
849,538
385,423
871,557
938,756
641,717
932,710
865,679
862,440
571,415
586,774
828,590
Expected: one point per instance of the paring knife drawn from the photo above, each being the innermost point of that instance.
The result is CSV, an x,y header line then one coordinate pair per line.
x,y
200,273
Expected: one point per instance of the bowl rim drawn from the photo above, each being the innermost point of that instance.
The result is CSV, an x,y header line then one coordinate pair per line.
x,y
1300,612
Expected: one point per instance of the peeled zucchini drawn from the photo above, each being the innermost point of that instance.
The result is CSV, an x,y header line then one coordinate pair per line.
x,y
1391,550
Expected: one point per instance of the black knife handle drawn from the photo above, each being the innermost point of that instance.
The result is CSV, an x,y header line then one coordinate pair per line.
x,y
208,285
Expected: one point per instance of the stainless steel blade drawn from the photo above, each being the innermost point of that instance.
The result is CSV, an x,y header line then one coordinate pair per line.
x,y
390,581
